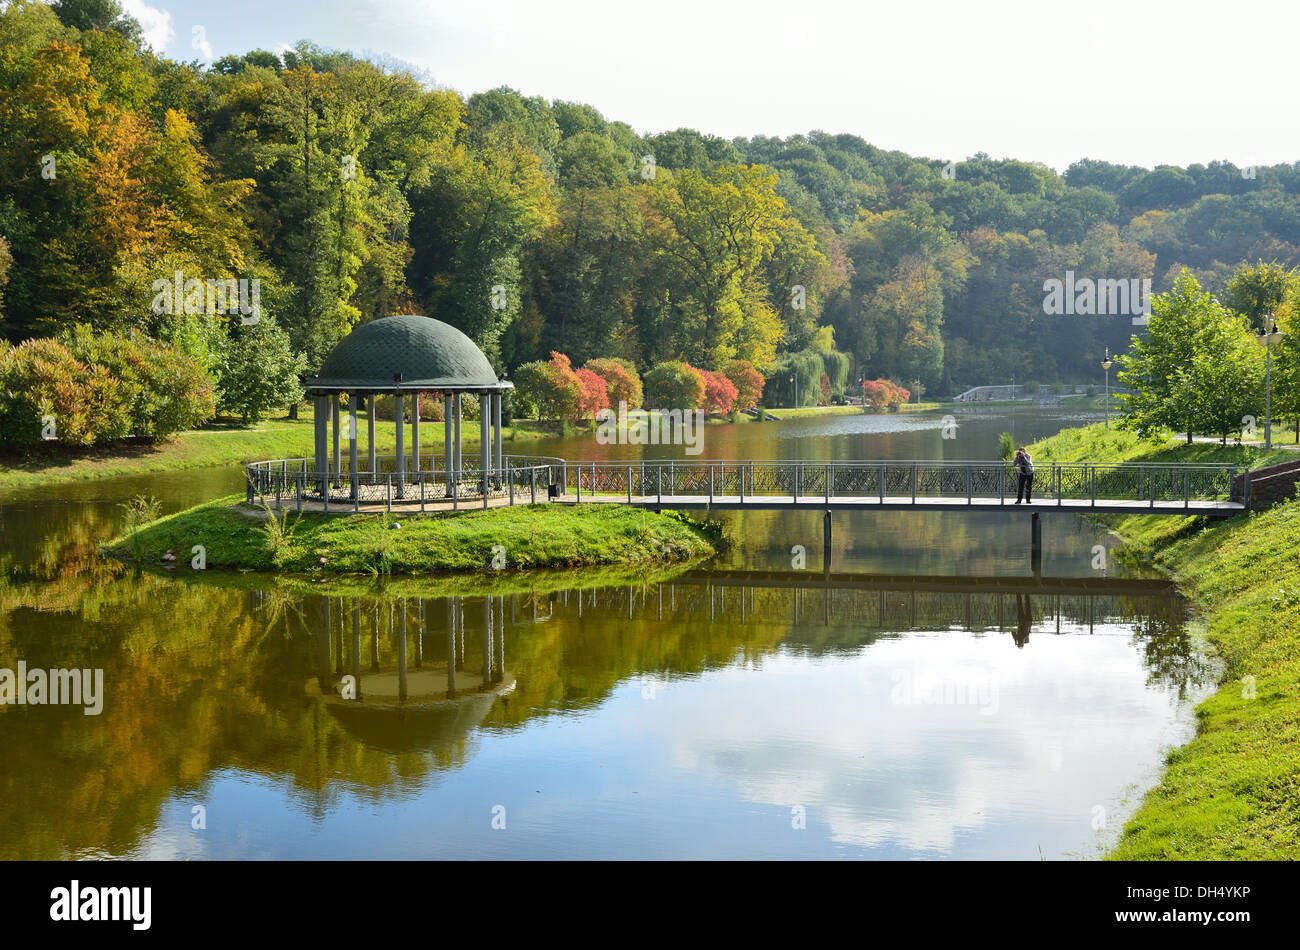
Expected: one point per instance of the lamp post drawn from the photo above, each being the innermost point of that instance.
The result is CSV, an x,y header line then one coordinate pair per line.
x,y
1270,336
1106,364
794,381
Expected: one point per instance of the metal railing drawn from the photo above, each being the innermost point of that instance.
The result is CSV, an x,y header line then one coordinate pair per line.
x,y
893,481
283,483
525,479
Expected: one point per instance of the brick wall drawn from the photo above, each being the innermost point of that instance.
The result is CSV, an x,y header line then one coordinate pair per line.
x,y
1268,485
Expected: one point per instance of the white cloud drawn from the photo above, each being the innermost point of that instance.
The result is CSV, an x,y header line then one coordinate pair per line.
x,y
155,23
199,40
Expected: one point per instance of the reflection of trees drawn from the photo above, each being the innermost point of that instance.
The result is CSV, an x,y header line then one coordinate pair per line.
x,y
1171,658
219,672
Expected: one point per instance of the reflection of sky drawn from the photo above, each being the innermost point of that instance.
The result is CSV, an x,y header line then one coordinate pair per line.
x,y
711,766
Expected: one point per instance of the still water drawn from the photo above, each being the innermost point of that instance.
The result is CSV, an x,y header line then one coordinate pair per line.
x,y
704,713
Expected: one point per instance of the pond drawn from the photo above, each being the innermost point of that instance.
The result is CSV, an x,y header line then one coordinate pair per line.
x,y
914,711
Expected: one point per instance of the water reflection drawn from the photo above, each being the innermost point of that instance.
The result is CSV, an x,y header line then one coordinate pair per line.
x,y
676,718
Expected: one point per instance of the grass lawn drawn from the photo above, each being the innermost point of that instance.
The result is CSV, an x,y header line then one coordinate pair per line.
x,y
525,536
1233,792
215,444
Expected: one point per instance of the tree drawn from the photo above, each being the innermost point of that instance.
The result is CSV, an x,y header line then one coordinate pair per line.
x,y
719,391
622,381
674,385
594,396
1198,368
552,388
259,372
748,382
712,234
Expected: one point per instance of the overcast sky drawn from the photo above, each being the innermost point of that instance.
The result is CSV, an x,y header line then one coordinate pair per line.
x,y
1122,80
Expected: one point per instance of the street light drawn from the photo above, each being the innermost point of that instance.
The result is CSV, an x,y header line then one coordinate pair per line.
x,y
795,383
1106,364
1267,338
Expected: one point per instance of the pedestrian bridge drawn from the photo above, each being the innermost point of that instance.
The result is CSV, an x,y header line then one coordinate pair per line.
x,y
1207,489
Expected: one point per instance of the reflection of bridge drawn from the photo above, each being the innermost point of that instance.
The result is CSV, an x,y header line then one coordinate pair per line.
x,y
411,651
1084,586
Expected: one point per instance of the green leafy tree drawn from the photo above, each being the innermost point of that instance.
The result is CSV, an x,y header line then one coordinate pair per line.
x,y
258,372
1198,368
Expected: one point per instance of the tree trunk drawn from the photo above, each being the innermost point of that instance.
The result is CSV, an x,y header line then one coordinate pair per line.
x,y
293,410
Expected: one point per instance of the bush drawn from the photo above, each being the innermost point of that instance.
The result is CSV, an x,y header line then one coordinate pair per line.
x,y
748,382
674,385
99,388
45,390
258,372
551,389
594,395
883,394
719,392
622,382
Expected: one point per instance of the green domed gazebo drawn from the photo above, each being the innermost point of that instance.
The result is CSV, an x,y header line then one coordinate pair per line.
x,y
404,356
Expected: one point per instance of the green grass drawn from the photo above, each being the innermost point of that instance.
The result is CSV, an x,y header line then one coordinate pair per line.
x,y
216,444
1233,792
1096,443
532,536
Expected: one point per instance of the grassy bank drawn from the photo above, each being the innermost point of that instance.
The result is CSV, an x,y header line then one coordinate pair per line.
x,y
1233,792
522,537
216,444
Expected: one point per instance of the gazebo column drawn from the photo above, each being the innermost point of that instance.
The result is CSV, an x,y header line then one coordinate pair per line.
x,y
370,435
352,443
401,452
500,463
320,420
336,472
485,439
448,450
415,430
455,442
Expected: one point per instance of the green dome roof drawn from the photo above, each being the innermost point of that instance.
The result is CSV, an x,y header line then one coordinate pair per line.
x,y
428,353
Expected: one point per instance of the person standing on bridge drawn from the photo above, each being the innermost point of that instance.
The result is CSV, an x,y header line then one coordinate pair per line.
x,y
1025,464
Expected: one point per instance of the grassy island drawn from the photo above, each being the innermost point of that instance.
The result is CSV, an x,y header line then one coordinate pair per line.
x,y
522,537
1233,792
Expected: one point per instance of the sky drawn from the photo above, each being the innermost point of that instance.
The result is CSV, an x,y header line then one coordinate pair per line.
x,y
1127,81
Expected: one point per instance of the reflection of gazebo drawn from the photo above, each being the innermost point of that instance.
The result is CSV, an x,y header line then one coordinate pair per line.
x,y
401,356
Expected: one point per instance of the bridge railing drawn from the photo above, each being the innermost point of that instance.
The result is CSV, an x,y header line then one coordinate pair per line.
x,y
291,482
895,480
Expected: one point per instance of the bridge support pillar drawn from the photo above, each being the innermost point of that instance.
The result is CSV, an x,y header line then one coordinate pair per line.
x,y
1036,544
826,542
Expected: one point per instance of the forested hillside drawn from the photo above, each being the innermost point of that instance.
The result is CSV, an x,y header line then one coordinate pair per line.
x,y
351,191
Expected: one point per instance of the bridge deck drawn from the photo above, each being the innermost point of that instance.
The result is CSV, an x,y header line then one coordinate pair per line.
x,y
1212,509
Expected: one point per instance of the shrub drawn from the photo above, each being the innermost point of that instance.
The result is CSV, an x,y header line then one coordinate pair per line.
x,y
258,372
622,382
674,385
551,389
594,396
99,389
41,381
883,394
719,392
748,382
161,390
